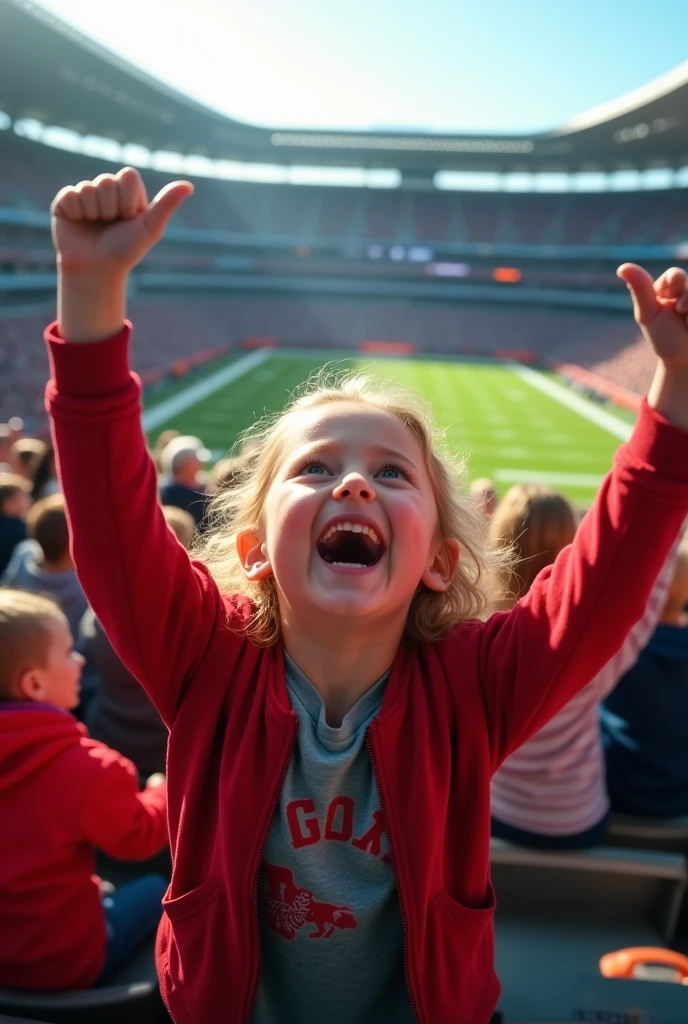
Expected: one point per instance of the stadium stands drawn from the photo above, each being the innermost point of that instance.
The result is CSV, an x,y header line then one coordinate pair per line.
x,y
166,331
32,174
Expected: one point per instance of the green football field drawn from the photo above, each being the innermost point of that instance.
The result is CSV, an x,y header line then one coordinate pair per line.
x,y
511,423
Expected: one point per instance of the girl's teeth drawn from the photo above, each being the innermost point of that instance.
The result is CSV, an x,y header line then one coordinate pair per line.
x,y
352,528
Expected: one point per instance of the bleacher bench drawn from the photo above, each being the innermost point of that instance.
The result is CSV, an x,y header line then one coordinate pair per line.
x,y
670,834
558,913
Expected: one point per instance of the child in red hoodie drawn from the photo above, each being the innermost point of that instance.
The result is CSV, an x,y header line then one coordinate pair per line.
x,y
61,795
336,705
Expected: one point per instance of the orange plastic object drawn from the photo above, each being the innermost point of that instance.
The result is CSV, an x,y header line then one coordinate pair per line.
x,y
623,963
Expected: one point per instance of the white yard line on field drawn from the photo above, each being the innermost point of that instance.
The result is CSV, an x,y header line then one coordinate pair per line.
x,y
534,476
170,407
600,417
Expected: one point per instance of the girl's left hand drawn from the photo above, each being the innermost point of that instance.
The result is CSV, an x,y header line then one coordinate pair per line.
x,y
661,311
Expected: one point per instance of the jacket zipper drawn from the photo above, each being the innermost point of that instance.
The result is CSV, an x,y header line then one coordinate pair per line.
x,y
404,927
256,885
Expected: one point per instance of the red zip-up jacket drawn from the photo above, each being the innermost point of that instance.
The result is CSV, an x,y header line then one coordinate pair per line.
x,y
61,794
451,713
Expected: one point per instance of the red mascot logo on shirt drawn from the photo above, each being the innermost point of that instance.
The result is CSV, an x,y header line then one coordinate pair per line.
x,y
288,908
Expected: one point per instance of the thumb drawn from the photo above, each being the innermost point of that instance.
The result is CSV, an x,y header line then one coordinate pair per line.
x,y
642,289
164,205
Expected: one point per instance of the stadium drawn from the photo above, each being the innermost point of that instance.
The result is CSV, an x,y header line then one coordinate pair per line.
x,y
477,270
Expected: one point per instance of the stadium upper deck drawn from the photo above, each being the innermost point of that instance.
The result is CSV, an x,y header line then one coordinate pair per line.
x,y
73,82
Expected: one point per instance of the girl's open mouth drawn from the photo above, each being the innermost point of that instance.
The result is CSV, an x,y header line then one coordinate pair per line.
x,y
350,544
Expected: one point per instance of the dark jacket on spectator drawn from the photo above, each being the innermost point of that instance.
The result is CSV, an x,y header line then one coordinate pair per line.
x,y
194,502
25,571
645,730
12,532
121,715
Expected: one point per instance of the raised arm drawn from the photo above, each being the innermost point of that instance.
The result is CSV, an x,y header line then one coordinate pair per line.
x,y
158,608
580,610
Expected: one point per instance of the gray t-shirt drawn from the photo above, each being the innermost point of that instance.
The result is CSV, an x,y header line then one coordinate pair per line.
x,y
330,922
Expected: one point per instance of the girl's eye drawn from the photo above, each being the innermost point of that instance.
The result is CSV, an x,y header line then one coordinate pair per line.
x,y
313,469
393,472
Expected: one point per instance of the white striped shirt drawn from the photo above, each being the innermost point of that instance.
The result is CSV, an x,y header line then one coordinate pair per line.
x,y
555,783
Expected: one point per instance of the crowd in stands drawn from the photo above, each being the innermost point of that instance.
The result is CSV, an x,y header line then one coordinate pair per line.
x,y
32,174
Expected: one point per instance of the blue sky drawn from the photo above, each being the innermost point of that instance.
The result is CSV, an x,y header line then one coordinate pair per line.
x,y
447,65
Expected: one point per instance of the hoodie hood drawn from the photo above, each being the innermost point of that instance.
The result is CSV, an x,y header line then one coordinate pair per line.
x,y
31,736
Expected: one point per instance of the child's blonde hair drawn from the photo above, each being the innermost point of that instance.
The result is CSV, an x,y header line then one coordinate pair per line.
x,y
240,508
534,523
24,635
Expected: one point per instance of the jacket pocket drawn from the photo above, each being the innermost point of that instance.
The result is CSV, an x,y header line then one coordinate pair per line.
x,y
459,955
190,903
463,916
195,929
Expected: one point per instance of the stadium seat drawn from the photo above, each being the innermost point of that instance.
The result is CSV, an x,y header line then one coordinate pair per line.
x,y
131,994
558,913
18,1020
669,834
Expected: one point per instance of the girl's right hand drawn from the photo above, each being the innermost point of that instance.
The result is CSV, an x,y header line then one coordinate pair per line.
x,y
106,226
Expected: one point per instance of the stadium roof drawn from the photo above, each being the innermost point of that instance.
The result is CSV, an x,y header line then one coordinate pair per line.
x,y
54,74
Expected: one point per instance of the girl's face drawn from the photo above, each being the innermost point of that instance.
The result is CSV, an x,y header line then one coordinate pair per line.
x,y
350,519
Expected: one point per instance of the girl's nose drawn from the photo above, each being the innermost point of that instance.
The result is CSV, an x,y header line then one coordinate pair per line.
x,y
354,485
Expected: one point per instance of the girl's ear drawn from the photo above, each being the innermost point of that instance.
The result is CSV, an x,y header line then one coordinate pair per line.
x,y
254,557
440,572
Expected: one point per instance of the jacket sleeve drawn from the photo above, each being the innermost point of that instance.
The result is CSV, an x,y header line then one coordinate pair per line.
x,y
158,608
116,817
579,611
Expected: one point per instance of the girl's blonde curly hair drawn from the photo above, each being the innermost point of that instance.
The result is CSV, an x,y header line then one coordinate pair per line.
x,y
239,509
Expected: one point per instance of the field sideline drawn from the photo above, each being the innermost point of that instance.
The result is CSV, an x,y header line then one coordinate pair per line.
x,y
512,423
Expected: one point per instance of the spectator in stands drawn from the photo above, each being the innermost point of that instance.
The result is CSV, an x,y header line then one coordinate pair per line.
x,y
551,793
121,714
25,455
61,795
326,656
181,523
163,440
16,425
485,492
15,502
223,474
5,448
45,480
43,564
182,463
645,719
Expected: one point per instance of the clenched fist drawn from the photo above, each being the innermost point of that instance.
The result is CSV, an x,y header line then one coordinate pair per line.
x,y
108,224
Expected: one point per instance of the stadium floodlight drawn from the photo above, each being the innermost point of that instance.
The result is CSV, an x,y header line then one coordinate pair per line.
x,y
420,254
